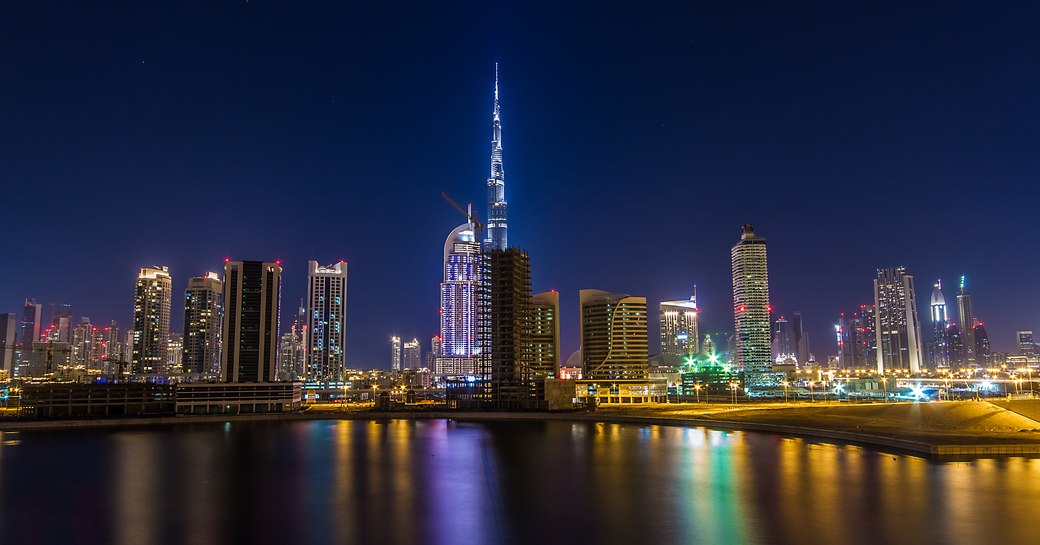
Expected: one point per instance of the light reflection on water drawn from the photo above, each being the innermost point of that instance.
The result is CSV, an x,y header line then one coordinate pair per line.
x,y
444,482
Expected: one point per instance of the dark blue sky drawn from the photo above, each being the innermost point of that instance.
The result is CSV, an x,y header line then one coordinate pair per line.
x,y
637,139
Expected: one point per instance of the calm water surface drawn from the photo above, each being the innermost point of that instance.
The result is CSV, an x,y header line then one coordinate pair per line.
x,y
513,482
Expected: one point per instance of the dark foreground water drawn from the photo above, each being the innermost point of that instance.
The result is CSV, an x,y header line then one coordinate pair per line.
x,y
512,482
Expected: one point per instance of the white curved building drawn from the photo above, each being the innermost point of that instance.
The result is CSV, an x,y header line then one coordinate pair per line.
x,y
458,352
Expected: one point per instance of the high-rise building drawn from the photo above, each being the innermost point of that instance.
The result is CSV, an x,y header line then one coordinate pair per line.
x,y
458,312
966,315
496,184
679,334
504,326
412,354
128,349
751,305
32,320
1025,344
614,341
252,294
957,351
939,355
8,338
85,345
292,349
782,341
113,359
60,329
203,312
326,311
545,334
395,353
897,324
982,350
855,340
151,319
435,352
799,338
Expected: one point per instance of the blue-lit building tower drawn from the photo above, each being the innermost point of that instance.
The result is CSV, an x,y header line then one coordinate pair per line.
x,y
939,355
497,237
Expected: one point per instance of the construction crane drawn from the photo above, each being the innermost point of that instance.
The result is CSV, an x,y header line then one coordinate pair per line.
x,y
468,212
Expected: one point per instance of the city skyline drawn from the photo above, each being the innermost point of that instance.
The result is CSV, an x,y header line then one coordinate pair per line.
x,y
696,138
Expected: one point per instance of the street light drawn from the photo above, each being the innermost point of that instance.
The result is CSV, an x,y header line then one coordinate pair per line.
x,y
785,383
884,382
733,389
697,390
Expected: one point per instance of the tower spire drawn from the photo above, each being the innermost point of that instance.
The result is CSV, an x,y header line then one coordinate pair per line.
x,y
496,183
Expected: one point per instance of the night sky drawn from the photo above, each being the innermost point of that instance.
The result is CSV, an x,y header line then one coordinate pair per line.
x,y
637,141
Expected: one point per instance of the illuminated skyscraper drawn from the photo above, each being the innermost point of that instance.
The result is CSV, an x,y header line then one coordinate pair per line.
x,y
679,334
326,309
614,341
151,319
1025,343
782,343
966,315
434,353
897,324
412,354
751,305
459,302
252,293
940,345
32,320
395,353
855,339
203,312
496,184
292,350
956,341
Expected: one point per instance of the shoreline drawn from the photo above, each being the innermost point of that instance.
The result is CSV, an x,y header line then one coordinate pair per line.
x,y
935,450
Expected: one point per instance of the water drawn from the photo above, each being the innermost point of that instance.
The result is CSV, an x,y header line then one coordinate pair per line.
x,y
511,482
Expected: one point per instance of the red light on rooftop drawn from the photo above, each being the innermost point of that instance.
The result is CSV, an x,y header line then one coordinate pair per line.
x,y
227,260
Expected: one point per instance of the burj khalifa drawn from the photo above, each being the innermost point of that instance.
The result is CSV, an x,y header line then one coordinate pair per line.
x,y
497,229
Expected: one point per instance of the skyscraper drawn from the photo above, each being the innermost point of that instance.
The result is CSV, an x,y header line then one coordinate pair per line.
x,y
545,334
8,338
956,341
326,310
151,319
395,353
203,312
799,338
897,324
966,314
292,350
504,326
854,341
175,353
84,348
940,352
32,318
60,329
679,336
1025,343
496,184
982,350
751,305
252,293
782,343
412,354
614,341
435,352
458,310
